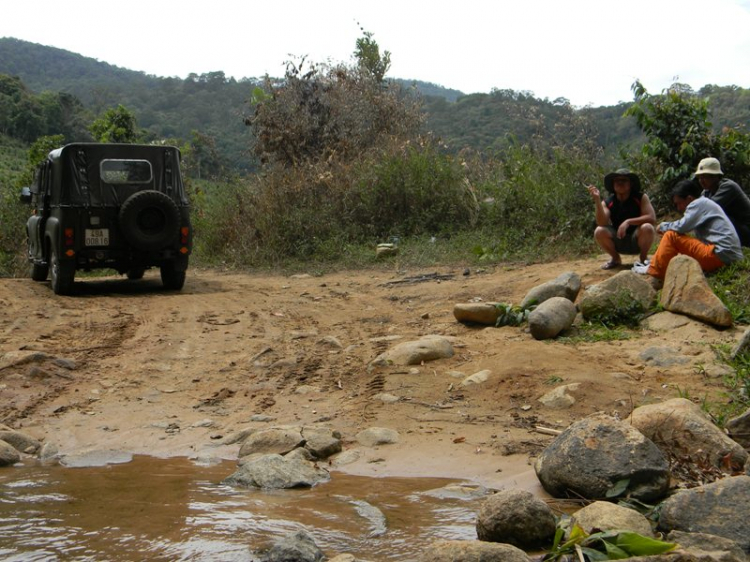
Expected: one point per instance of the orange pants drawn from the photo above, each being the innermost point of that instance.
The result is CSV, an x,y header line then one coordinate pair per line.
x,y
674,243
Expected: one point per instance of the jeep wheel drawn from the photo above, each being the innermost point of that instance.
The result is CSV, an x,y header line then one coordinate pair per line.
x,y
136,273
172,279
149,220
39,272
62,275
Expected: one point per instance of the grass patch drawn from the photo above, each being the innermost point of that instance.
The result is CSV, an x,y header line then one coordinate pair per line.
x,y
594,332
737,383
732,285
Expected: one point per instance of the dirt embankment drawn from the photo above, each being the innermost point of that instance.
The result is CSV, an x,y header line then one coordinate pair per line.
x,y
124,365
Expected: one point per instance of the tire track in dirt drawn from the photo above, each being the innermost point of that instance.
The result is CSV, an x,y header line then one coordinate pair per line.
x,y
298,350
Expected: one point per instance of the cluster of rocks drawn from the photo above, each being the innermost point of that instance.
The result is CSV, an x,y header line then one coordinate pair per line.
x,y
603,459
705,511
685,291
14,444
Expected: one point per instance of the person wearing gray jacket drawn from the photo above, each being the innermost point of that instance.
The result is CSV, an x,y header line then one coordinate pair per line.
x,y
728,194
715,243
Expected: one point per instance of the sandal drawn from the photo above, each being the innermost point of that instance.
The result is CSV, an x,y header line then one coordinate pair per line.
x,y
611,264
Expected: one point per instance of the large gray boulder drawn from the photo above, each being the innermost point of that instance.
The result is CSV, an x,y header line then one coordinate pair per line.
x,y
296,547
739,429
8,454
566,285
22,442
607,516
550,318
621,294
374,436
277,472
681,430
721,508
561,397
427,348
485,313
687,292
515,517
708,547
275,440
596,453
322,443
472,551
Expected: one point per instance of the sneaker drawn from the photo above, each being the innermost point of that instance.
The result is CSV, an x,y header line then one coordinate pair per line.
x,y
640,268
645,262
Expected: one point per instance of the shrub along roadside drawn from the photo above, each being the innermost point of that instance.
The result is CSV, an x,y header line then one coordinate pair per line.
x,y
13,214
440,207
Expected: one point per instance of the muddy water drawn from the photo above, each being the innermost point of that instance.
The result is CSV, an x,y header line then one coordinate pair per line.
x,y
174,509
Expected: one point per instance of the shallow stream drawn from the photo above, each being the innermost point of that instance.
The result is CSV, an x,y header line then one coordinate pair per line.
x,y
175,509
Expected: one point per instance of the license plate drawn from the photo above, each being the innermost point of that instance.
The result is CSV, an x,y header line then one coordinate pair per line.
x,y
97,237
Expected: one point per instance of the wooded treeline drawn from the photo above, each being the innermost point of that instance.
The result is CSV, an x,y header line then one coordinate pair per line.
x,y
57,91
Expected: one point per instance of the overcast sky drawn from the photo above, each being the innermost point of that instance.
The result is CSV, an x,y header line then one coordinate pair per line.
x,y
589,51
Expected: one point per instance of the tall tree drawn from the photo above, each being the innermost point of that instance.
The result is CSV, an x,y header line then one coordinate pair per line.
x,y
679,134
117,124
368,56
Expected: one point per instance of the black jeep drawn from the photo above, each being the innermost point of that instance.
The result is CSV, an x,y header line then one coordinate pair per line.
x,y
118,206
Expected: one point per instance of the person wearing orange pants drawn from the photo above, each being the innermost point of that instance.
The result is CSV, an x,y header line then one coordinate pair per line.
x,y
715,242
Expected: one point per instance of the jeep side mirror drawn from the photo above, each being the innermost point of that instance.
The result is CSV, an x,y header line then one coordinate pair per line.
x,y
25,195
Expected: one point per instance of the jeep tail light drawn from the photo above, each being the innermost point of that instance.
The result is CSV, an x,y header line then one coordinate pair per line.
x,y
184,235
69,237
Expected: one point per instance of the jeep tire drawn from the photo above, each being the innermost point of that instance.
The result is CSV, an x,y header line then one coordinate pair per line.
x,y
172,278
149,220
39,272
62,274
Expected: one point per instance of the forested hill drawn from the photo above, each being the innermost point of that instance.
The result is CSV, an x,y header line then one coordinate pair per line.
x,y
214,105
209,103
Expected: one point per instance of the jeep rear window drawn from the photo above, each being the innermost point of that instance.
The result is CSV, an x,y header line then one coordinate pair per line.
x,y
125,171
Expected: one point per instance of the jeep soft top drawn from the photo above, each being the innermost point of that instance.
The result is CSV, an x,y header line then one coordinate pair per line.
x,y
105,175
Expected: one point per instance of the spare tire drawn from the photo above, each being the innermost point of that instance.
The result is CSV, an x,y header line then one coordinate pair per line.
x,y
149,220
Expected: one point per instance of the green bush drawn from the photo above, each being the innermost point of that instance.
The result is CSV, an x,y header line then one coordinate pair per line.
x,y
321,210
534,201
412,190
13,213
732,285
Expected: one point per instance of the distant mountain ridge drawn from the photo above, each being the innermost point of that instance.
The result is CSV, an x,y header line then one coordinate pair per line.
x,y
214,105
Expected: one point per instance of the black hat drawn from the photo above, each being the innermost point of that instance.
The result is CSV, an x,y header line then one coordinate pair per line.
x,y
635,182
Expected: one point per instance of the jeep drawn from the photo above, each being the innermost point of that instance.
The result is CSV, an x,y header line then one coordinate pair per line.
x,y
115,206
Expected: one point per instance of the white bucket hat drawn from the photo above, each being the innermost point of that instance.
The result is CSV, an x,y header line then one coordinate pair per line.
x,y
709,166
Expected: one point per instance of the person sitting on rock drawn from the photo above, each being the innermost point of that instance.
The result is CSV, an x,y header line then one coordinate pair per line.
x,y
625,220
728,194
715,244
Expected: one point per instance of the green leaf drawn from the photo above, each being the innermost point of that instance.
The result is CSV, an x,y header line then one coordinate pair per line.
x,y
594,555
618,489
577,534
559,534
638,545
614,552
258,96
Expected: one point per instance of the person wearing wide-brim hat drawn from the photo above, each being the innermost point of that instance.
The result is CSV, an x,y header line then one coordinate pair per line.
x,y
625,220
728,194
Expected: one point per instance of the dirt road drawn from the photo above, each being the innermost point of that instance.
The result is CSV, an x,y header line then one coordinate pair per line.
x,y
124,365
